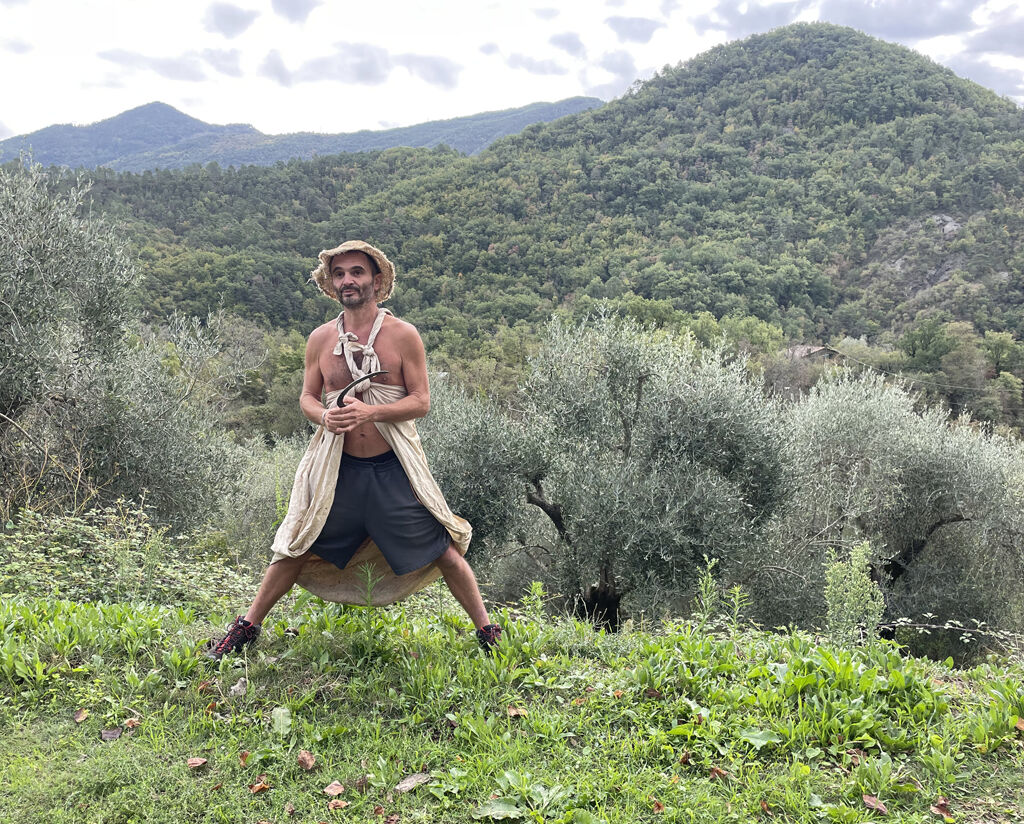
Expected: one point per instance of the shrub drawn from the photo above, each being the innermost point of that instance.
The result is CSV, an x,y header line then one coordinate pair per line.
x,y
110,554
630,456
93,409
853,601
936,499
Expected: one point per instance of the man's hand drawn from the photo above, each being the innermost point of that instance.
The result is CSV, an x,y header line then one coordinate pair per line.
x,y
353,414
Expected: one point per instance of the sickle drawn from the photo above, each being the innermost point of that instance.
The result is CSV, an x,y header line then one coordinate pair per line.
x,y
358,381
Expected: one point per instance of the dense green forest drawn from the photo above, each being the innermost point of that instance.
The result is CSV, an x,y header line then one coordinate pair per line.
x,y
815,179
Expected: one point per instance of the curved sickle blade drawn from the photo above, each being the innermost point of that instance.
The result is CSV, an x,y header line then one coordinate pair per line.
x,y
358,381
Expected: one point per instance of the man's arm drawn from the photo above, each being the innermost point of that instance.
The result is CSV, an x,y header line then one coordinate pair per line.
x,y
414,405
311,399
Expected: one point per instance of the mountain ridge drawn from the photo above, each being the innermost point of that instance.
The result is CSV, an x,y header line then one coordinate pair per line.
x,y
156,135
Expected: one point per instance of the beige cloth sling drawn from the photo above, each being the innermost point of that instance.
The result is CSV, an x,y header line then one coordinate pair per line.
x,y
315,484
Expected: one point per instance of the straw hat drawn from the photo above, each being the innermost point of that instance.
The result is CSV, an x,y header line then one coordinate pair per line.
x,y
321,276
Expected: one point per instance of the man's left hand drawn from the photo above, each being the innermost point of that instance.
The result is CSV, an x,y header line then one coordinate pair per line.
x,y
353,414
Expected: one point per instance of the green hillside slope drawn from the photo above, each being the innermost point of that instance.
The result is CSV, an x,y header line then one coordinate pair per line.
x,y
813,177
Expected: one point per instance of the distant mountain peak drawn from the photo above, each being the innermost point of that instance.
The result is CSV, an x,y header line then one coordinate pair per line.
x,y
157,135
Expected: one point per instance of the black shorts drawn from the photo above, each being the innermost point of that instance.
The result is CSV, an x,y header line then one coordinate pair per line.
x,y
374,499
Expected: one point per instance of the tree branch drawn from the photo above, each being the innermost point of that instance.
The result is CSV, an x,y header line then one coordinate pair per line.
x,y
536,497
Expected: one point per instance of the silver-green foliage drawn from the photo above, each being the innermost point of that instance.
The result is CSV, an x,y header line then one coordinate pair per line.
x,y
640,453
476,455
91,407
65,288
938,499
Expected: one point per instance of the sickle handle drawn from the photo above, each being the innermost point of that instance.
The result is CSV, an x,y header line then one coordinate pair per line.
x,y
356,383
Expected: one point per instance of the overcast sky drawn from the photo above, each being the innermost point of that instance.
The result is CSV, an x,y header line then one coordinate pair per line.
x,y
328,66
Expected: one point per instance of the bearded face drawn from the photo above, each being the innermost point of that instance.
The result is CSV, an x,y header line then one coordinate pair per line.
x,y
353,278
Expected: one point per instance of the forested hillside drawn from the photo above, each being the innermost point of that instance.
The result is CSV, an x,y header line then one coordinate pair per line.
x,y
814,178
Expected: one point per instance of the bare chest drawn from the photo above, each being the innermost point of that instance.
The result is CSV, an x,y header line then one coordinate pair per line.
x,y
337,374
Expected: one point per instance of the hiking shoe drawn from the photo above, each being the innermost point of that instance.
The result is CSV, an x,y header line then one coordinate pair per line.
x,y
488,636
240,633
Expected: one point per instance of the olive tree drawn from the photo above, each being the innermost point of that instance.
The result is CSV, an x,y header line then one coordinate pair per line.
x,y
938,500
92,407
627,457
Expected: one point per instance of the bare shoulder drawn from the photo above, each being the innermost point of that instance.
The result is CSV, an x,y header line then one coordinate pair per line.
x,y
325,333
402,332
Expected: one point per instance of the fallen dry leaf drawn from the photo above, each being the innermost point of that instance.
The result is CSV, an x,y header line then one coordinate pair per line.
x,y
685,758
205,687
361,783
856,756
941,807
1020,724
260,786
579,700
764,807
216,786
674,779
378,810
517,712
132,723
195,763
337,804
873,803
111,735
391,819
289,808
306,759
717,773
658,807
411,782
243,756
617,693
334,788
650,692
80,716
211,707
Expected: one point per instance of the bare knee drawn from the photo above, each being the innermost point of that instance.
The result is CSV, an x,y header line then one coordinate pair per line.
x,y
450,559
287,566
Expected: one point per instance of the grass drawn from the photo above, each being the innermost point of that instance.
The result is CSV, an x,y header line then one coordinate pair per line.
x,y
104,698
679,722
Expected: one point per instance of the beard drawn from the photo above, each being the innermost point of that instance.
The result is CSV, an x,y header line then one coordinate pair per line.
x,y
354,297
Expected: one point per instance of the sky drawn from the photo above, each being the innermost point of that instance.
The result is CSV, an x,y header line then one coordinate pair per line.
x,y
330,66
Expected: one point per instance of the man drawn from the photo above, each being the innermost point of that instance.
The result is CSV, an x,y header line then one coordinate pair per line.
x,y
365,522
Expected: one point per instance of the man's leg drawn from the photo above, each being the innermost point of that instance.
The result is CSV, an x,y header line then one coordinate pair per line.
x,y
462,582
277,580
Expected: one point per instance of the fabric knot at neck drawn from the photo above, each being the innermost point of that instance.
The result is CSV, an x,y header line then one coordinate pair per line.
x,y
349,346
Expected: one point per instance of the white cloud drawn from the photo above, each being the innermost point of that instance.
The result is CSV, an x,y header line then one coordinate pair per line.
x,y
569,42
228,19
295,10
534,66
406,62
16,45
